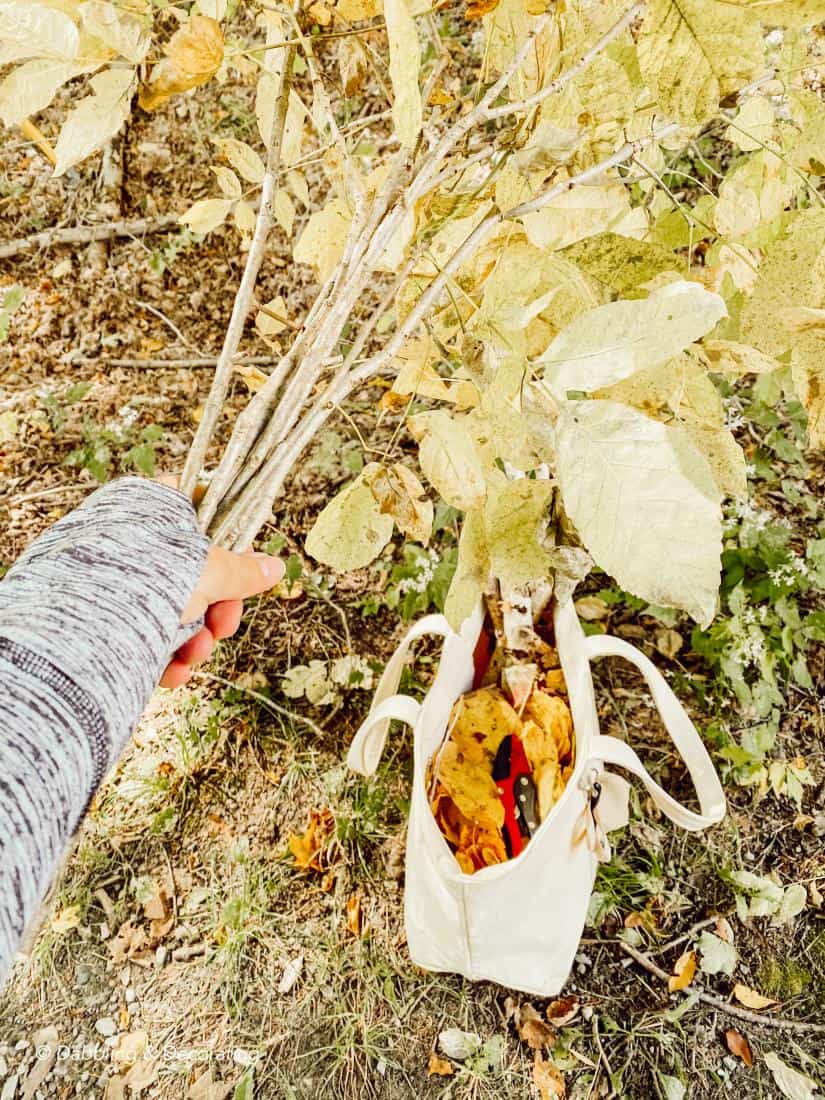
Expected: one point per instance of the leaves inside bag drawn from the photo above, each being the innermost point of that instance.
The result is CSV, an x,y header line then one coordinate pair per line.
x,y
506,758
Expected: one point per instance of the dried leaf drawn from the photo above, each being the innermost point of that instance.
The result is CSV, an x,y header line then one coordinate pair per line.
x,y
400,494
292,971
439,1067
353,909
548,1079
194,54
532,1029
308,848
563,1011
750,998
683,972
739,1046
66,919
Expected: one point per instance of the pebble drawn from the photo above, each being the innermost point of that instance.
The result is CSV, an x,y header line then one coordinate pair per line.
x,y
130,995
161,956
105,1026
83,973
21,1044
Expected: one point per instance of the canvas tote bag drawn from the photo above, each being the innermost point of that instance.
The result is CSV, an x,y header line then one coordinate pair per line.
x,y
519,923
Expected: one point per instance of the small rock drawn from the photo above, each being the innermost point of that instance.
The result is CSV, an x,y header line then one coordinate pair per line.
x,y
242,1057
83,973
161,956
125,976
106,1026
21,1044
105,931
130,995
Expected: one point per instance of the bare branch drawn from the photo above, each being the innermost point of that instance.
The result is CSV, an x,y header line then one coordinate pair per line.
x,y
84,234
243,299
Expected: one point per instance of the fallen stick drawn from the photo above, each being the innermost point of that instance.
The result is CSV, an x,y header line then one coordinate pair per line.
x,y
85,234
717,1002
175,364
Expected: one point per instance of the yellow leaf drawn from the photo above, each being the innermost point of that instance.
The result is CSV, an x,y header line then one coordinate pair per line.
x,y
439,1067
353,908
405,61
808,375
683,972
66,919
308,848
750,998
354,10
322,241
695,52
548,1079
205,215
194,54
401,495
739,1046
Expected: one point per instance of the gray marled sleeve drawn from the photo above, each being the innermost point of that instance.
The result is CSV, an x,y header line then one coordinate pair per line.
x,y
89,616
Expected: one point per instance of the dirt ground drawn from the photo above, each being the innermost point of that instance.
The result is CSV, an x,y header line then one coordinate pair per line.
x,y
180,932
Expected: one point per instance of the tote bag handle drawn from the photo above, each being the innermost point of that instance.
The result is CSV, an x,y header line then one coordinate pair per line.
x,y
682,731
368,744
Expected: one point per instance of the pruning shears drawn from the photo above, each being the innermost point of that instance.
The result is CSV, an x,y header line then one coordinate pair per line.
x,y
514,780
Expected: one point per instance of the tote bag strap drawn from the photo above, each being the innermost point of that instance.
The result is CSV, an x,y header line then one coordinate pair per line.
x,y
368,743
682,732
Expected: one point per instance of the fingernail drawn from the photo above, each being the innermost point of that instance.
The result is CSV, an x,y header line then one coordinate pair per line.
x,y
272,568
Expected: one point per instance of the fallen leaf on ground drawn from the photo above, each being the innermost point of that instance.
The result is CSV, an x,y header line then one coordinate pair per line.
x,y
292,971
750,998
790,1082
457,1044
532,1029
548,1079
354,915
439,1067
308,848
683,972
66,919
739,1045
563,1011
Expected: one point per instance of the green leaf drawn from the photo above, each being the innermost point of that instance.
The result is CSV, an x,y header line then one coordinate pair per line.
x,y
790,1082
8,426
143,457
351,531
245,1088
514,518
718,956
644,502
621,263
617,340
472,571
692,53
12,297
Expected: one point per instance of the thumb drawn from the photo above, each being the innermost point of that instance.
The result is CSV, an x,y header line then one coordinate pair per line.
x,y
229,576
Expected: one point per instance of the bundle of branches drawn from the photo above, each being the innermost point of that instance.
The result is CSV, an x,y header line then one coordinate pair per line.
x,y
554,256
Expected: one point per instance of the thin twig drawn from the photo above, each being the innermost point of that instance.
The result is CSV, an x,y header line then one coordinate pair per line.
x,y
264,701
243,299
84,234
717,1002
177,364
170,324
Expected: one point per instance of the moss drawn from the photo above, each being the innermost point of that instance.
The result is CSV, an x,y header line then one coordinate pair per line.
x,y
782,978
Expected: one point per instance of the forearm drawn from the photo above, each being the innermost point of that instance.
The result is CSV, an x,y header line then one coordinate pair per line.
x,y
88,618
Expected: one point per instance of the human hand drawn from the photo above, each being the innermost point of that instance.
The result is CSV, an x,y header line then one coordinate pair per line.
x,y
227,580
